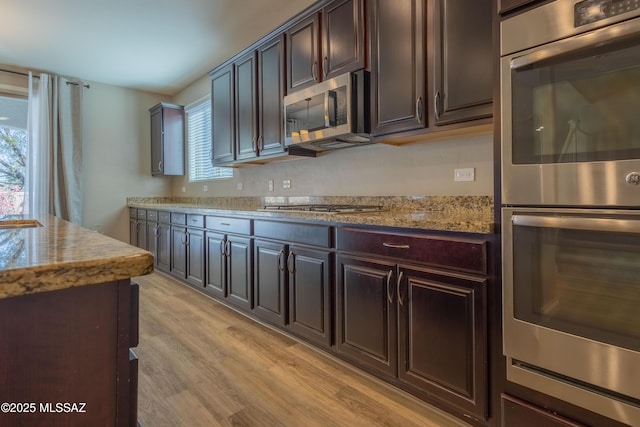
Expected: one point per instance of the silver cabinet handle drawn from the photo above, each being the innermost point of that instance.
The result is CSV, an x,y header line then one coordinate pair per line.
x,y
291,263
398,288
222,252
187,238
160,165
227,248
395,246
225,224
389,296
436,104
254,144
419,109
314,70
156,230
325,66
260,143
280,266
183,238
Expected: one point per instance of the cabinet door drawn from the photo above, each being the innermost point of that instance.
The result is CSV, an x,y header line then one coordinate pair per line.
x,y
398,76
366,313
443,336
303,67
216,271
239,267
163,260
156,142
246,107
152,238
179,251
342,37
142,234
270,296
133,231
463,60
310,283
222,115
195,256
271,92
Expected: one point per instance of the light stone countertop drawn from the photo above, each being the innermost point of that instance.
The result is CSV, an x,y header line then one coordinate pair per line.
x,y
62,255
440,213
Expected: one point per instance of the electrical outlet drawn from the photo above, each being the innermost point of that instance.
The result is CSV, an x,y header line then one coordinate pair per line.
x,y
240,186
465,174
205,187
270,185
286,183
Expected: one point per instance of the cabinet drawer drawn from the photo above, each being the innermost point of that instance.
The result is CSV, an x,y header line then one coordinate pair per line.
x,y
195,220
229,225
450,252
152,215
133,212
142,214
178,218
164,217
306,234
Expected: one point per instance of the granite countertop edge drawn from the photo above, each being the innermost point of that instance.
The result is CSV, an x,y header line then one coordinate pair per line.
x,y
61,255
467,222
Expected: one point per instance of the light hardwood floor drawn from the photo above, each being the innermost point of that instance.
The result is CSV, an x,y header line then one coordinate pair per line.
x,y
203,364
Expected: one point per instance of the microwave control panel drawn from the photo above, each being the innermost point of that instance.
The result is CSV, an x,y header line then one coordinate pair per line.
x,y
588,11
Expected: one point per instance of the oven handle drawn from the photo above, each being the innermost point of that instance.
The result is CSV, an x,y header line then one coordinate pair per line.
x,y
577,42
573,223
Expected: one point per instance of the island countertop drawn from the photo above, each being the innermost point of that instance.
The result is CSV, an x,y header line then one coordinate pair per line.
x,y
62,255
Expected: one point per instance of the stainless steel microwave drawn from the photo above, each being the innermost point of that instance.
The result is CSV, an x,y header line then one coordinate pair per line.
x,y
329,115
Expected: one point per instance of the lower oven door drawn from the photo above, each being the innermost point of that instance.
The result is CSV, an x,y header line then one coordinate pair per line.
x,y
572,306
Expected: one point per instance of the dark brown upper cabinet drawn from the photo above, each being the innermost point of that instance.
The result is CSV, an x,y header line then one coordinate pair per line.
x,y
270,94
246,93
325,44
247,105
431,64
398,65
223,115
167,139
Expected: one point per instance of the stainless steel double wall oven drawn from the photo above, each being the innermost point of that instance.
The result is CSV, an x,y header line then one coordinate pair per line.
x,y
570,99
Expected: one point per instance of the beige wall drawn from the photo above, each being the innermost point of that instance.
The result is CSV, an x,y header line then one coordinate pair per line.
x,y
379,170
117,156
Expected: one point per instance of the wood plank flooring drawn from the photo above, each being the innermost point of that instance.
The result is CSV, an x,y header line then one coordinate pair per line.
x,y
203,364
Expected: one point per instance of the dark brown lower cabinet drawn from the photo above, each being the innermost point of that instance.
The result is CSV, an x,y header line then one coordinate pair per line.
x,y
417,324
163,247
310,272
270,281
228,269
70,347
518,413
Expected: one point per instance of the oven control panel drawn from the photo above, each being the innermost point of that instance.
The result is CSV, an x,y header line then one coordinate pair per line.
x,y
588,11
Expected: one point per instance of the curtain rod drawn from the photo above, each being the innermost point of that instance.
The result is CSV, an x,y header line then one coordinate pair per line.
x,y
20,73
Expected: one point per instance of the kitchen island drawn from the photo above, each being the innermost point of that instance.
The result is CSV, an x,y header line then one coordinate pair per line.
x,y
69,317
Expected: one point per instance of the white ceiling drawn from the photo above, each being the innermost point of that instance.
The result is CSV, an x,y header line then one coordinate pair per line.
x,y
153,45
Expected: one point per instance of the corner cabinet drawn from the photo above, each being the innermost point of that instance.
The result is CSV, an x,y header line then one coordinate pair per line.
x,y
413,308
167,139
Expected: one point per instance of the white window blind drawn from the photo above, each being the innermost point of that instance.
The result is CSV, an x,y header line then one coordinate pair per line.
x,y
199,143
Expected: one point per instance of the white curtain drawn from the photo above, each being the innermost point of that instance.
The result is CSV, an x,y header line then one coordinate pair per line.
x,y
54,180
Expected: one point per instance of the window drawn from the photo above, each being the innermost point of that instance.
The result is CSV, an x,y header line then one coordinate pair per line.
x,y
13,154
199,143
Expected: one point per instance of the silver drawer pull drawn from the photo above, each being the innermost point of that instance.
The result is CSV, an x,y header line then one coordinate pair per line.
x,y
395,246
225,223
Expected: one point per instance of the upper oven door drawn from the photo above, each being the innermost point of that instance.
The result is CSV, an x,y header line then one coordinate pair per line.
x,y
570,123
